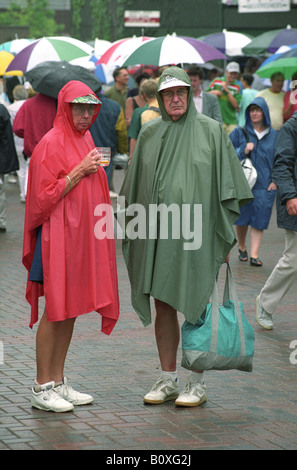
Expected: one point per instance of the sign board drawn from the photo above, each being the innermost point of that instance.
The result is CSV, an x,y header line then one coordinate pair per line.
x,y
263,6
142,18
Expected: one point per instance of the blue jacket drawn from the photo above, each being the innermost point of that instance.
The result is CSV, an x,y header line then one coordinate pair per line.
x,y
263,154
284,172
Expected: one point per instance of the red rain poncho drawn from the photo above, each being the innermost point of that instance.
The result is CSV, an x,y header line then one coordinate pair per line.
x,y
79,270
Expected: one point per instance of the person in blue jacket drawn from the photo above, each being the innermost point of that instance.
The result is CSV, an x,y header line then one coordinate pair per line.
x,y
258,142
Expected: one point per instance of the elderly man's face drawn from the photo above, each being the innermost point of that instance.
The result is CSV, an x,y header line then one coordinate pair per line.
x,y
175,100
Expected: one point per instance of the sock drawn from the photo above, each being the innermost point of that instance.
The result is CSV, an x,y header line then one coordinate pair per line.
x,y
196,377
171,375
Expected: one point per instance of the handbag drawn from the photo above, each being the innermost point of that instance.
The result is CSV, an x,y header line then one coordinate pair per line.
x,y
249,170
222,338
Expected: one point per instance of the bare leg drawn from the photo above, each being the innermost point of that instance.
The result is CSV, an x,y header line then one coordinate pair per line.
x,y
256,239
52,343
167,334
241,232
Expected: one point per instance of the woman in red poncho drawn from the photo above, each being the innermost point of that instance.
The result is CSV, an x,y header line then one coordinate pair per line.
x,y
78,271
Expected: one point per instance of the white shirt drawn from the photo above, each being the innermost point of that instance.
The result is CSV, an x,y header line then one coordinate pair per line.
x,y
198,102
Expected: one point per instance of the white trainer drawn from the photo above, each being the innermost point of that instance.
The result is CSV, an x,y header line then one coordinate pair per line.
x,y
263,318
164,389
48,400
193,394
72,396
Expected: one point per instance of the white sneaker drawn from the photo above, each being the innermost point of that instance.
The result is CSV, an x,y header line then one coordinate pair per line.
x,y
263,318
163,390
193,394
66,392
48,400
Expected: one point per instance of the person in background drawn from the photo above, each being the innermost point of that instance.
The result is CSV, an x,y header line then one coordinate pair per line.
x,y
20,95
228,90
148,90
248,94
274,97
137,100
259,146
109,130
8,160
290,99
118,92
284,174
206,103
33,120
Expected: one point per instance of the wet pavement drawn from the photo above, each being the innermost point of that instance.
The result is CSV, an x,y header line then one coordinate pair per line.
x,y
244,411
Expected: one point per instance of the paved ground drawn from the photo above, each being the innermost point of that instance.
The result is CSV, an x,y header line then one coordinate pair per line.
x,y
253,411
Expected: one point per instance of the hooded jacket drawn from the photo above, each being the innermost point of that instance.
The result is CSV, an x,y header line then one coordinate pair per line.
x,y
284,172
189,165
79,269
263,153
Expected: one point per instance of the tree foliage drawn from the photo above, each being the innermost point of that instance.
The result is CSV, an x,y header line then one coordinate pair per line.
x,y
35,14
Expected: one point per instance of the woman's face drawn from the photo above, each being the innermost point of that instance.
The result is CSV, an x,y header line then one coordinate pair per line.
x,y
256,114
82,115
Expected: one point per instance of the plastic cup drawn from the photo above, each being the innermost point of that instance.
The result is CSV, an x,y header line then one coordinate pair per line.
x,y
105,155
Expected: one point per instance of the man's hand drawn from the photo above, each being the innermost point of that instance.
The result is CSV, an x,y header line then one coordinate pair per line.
x,y
291,205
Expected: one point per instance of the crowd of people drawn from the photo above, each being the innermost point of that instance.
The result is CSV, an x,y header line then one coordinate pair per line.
x,y
171,113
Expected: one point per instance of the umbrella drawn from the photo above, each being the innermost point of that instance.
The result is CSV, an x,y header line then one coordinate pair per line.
x,y
49,77
54,48
16,45
119,50
270,41
101,46
5,59
285,63
172,49
227,42
104,73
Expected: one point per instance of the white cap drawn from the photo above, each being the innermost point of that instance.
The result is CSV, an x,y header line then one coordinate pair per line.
x,y
170,81
233,67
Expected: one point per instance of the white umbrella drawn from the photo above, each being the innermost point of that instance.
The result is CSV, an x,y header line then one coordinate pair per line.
x,y
228,42
119,50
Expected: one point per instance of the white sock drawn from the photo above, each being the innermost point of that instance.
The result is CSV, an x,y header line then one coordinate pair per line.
x,y
196,377
170,374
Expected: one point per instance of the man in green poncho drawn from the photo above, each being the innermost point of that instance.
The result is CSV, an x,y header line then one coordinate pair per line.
x,y
185,184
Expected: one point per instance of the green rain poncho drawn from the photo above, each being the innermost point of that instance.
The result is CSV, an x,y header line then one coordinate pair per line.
x,y
188,165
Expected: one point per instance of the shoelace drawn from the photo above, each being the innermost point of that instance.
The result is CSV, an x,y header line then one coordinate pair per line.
x,y
160,384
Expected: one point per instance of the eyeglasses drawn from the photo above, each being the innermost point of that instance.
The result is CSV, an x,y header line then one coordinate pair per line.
x,y
80,109
170,94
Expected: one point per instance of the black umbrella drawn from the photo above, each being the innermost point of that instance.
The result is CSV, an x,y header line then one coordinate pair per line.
x,y
49,77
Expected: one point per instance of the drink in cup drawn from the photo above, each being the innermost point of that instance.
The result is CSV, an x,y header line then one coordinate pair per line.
x,y
105,155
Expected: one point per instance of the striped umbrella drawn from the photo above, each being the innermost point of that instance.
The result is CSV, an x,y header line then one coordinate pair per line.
x,y
172,49
54,48
228,42
116,54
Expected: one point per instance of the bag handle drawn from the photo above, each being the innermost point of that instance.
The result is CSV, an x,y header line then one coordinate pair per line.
x,y
229,284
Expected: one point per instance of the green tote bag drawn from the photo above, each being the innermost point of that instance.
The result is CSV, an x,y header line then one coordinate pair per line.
x,y
222,338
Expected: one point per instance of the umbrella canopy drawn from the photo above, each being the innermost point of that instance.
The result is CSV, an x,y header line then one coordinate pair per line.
x,y
49,77
285,63
116,54
270,41
227,42
173,50
54,48
101,46
104,73
16,45
5,59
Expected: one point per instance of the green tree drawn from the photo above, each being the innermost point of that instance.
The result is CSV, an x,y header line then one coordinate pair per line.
x,y
35,14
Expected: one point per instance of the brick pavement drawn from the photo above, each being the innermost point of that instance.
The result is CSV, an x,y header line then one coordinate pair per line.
x,y
254,411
